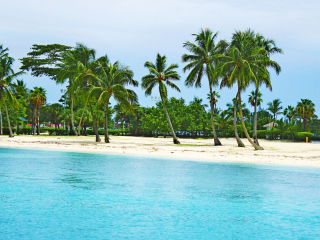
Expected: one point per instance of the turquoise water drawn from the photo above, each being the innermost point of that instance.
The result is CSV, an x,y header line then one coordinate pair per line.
x,y
61,195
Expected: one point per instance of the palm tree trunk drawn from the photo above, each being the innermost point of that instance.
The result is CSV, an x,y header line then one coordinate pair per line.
x,y
106,136
304,124
216,139
242,121
38,121
1,129
34,121
72,123
82,117
175,140
55,123
95,128
255,138
5,107
240,143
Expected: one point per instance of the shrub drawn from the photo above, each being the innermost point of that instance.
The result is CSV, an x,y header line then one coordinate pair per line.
x,y
302,135
26,130
6,130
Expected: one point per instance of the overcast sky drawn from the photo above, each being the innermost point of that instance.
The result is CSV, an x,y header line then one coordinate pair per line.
x,y
135,31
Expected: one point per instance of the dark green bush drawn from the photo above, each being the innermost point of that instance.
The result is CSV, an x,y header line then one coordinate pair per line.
x,y
6,131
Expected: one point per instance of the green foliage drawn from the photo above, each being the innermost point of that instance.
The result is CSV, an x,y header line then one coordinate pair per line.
x,y
261,122
303,135
42,60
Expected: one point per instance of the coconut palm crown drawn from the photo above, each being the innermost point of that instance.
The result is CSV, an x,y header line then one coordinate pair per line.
x,y
160,75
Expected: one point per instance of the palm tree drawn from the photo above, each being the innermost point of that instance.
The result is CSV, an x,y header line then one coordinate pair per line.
x,y
282,127
56,110
37,98
270,48
255,101
290,112
233,111
202,61
69,70
241,65
275,108
305,109
6,76
85,79
112,79
160,74
20,92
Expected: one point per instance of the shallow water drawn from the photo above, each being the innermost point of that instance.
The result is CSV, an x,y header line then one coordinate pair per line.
x,y
63,195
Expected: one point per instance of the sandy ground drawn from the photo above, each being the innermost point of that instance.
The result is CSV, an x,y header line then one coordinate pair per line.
x,y
276,152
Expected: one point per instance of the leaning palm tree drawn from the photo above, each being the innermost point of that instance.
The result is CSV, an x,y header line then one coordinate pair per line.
x,y
242,64
37,98
305,110
161,75
275,109
6,76
202,61
255,101
111,82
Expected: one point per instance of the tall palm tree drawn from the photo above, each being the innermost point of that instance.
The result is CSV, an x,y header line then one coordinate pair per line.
x,y
305,109
255,101
112,79
37,98
202,61
6,76
290,112
275,108
270,48
161,75
68,70
242,64
84,80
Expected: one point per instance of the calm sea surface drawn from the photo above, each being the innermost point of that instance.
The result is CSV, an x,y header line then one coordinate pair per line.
x,y
63,195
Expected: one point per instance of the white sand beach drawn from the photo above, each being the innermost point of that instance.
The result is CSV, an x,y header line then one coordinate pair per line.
x,y
276,152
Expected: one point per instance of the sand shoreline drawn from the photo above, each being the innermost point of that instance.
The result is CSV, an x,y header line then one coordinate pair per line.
x,y
275,153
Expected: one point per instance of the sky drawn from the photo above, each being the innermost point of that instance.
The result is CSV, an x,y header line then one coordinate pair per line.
x,y
133,32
